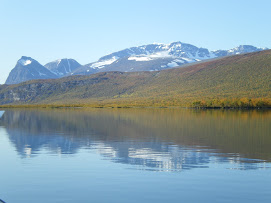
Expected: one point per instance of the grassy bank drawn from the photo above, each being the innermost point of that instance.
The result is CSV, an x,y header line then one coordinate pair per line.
x,y
238,103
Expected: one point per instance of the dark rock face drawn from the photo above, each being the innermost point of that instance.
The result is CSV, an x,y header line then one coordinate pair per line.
x,y
28,69
62,67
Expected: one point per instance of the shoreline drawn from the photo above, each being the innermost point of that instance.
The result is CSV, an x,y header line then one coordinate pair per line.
x,y
114,106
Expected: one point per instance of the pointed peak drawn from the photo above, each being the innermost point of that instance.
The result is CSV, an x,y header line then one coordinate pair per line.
x,y
25,60
26,57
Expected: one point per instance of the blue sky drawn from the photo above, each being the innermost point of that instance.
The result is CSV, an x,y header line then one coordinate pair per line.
x,y
86,30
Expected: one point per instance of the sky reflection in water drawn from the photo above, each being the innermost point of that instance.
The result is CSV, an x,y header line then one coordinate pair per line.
x,y
113,155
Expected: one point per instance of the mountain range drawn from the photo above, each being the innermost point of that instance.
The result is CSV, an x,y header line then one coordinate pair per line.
x,y
152,57
237,76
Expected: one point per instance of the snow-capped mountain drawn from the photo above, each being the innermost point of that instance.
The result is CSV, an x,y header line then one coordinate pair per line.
x,y
62,67
28,69
157,57
152,57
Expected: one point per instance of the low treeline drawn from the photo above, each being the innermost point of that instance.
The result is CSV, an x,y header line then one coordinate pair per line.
x,y
233,103
243,103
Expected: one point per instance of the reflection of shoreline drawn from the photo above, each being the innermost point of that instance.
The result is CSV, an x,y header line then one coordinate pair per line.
x,y
139,138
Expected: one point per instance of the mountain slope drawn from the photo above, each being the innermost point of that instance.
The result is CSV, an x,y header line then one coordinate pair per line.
x,y
62,67
157,57
238,76
28,69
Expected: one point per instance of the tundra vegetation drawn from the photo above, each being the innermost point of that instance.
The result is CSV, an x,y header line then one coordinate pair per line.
x,y
240,81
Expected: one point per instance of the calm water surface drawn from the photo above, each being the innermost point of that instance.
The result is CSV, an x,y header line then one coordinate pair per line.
x,y
135,155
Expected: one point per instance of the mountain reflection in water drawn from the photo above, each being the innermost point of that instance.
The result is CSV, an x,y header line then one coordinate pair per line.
x,y
152,139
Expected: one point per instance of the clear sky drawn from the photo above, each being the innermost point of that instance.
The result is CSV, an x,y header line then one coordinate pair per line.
x,y
86,30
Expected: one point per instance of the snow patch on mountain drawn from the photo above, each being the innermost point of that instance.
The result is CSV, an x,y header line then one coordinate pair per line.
x,y
161,54
140,58
101,64
172,64
149,57
179,61
58,61
25,62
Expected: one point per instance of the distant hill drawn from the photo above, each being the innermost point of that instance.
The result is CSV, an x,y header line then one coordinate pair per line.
x,y
238,76
151,57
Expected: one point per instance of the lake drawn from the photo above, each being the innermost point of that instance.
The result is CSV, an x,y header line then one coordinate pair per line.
x,y
135,155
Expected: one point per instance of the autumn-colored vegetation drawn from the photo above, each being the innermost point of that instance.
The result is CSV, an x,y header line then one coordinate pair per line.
x,y
233,103
240,81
